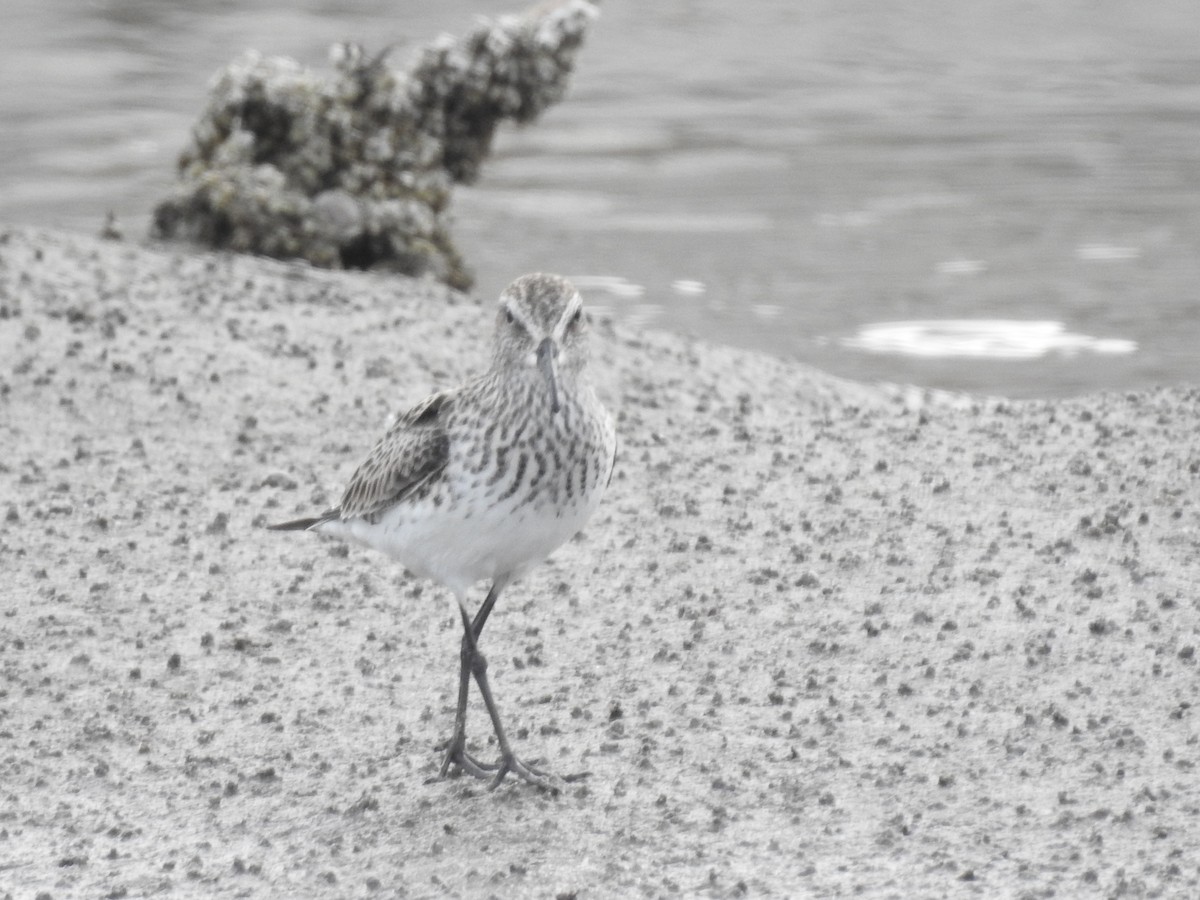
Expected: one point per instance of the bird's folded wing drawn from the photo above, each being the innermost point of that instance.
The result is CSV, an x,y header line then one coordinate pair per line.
x,y
411,455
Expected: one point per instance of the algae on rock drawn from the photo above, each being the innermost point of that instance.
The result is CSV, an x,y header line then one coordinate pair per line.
x,y
354,169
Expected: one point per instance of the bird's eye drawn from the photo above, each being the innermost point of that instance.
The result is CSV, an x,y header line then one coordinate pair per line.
x,y
509,317
577,319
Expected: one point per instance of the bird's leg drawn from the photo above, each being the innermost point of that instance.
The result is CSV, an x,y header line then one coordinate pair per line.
x,y
508,760
456,749
473,663
485,610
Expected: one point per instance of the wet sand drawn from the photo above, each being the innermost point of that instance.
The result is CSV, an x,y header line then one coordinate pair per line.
x,y
822,638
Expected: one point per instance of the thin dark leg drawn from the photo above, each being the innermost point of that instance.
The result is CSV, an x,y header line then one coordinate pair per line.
x,y
456,749
485,610
473,663
508,760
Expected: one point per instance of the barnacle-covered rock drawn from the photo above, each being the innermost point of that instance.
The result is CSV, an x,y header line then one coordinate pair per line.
x,y
354,168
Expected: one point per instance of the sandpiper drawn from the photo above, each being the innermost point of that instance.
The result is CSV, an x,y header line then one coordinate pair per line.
x,y
483,482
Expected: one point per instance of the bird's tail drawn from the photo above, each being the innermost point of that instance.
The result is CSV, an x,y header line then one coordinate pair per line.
x,y
297,524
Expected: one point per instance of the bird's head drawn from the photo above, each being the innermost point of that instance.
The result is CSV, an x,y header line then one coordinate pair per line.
x,y
541,326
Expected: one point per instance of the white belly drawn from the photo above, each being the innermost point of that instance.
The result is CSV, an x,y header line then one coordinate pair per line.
x,y
469,543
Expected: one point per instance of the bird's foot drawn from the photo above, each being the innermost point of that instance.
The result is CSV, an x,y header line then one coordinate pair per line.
x,y
539,778
460,760
457,759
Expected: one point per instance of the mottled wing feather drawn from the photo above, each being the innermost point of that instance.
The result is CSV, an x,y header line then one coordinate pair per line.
x,y
411,455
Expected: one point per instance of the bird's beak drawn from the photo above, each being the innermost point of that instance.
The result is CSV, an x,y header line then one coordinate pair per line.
x,y
547,363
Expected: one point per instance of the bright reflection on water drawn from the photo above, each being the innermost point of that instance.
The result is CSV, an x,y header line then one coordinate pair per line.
x,y
806,169
981,339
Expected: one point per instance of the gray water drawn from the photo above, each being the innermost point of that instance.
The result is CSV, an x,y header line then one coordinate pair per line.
x,y
772,174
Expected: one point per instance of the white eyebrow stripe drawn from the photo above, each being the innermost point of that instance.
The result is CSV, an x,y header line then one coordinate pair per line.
x,y
573,306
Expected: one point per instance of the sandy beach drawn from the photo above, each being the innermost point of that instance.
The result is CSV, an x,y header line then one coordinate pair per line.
x,y
822,639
